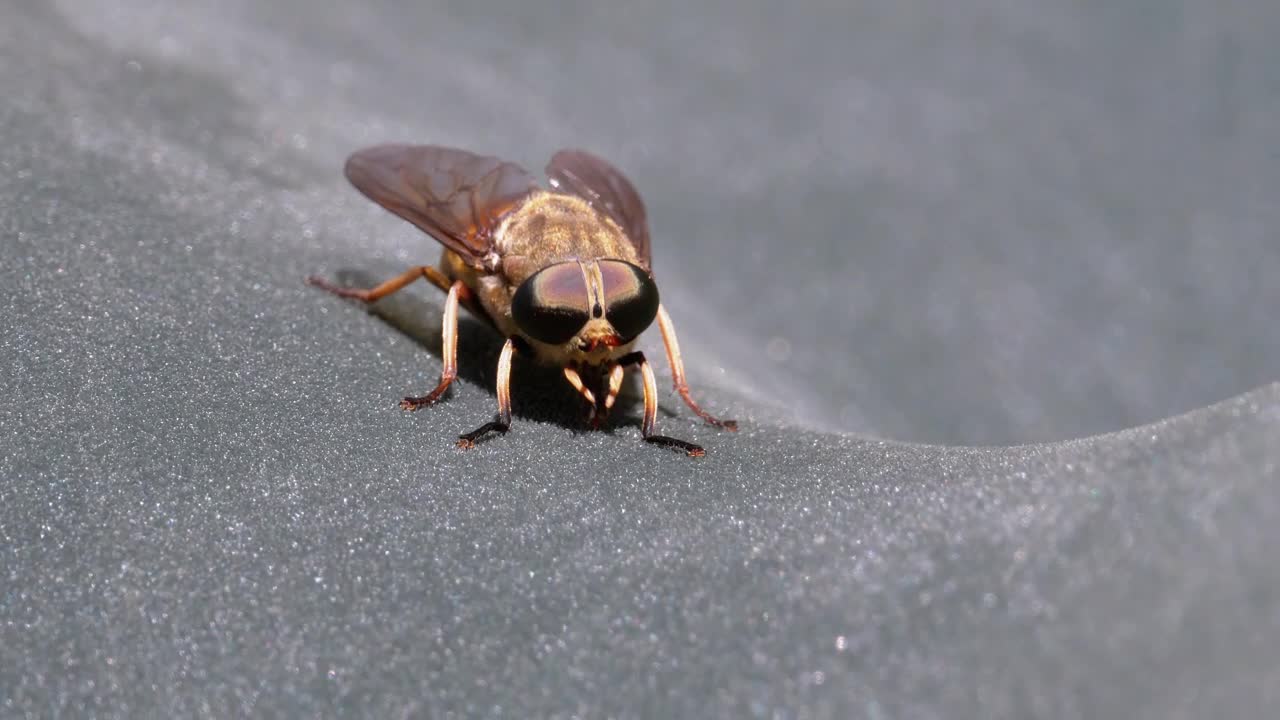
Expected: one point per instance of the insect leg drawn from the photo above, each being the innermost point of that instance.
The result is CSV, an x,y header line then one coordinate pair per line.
x,y
608,389
437,278
677,371
651,408
422,271
449,352
614,387
575,380
503,422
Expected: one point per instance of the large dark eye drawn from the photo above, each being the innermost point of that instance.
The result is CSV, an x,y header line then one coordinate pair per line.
x,y
630,296
553,304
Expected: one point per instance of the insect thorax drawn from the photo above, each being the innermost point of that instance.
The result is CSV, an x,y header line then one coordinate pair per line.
x,y
551,228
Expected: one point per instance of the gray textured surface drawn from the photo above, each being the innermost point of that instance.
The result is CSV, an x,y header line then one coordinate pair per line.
x,y
979,223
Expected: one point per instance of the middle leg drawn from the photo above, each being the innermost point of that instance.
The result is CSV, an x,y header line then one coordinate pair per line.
x,y
651,408
502,423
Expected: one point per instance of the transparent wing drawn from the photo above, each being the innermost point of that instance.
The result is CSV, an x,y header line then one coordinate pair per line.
x,y
607,189
455,196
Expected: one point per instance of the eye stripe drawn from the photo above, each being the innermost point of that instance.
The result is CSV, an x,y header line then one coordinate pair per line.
x,y
630,297
590,277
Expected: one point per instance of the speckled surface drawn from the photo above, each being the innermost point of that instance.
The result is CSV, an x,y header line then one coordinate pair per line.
x,y
992,227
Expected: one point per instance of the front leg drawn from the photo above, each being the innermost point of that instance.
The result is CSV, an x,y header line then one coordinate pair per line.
x,y
611,393
571,374
597,407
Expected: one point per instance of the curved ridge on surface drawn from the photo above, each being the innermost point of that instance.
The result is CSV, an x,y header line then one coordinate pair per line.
x,y
1253,400
210,505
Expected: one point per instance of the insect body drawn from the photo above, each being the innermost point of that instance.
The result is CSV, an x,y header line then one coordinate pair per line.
x,y
564,274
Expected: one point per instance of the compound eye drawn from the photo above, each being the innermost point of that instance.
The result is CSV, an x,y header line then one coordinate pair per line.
x,y
553,304
630,296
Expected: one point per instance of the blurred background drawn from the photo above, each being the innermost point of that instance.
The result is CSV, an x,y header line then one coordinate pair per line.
x,y
975,223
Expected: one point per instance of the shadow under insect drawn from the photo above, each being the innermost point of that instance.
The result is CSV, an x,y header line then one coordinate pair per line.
x,y
538,392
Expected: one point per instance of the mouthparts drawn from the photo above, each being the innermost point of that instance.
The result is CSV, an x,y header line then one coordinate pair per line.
x,y
590,344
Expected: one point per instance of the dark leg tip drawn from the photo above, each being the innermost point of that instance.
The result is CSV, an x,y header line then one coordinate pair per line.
x,y
317,281
411,404
355,293
687,447
468,441
730,425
